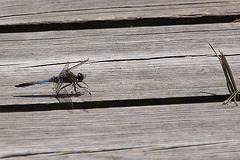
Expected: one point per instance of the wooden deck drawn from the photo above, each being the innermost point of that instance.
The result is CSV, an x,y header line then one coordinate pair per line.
x,y
157,87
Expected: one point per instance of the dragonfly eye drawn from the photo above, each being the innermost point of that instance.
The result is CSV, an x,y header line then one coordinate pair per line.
x,y
80,77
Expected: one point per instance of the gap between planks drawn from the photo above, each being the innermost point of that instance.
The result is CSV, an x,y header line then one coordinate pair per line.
x,y
120,23
112,103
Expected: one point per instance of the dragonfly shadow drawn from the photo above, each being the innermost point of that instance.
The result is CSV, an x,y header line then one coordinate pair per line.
x,y
50,95
64,99
35,96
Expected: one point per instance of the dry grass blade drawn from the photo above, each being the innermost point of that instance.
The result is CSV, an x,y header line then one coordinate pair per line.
x,y
231,85
231,97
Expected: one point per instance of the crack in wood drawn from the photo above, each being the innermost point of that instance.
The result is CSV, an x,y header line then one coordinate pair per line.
x,y
57,153
128,59
187,146
118,60
103,150
111,8
26,154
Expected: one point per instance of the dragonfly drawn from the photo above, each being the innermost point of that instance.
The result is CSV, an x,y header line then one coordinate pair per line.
x,y
66,78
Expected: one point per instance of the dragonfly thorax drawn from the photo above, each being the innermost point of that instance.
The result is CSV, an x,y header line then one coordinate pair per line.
x,y
80,77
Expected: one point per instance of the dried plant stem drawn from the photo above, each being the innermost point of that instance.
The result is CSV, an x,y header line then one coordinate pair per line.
x,y
231,85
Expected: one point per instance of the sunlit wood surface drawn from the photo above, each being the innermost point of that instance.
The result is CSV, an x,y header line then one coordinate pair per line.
x,y
132,73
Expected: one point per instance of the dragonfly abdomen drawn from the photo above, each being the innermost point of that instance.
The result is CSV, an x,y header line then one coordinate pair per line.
x,y
52,79
23,85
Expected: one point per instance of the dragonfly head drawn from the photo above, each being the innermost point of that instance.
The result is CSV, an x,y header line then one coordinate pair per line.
x,y
81,77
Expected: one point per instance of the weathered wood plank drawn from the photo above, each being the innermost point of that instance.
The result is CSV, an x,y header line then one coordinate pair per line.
x,y
190,131
180,64
45,11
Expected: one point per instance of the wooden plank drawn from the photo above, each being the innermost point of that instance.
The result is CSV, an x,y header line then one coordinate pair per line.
x,y
28,12
190,131
180,62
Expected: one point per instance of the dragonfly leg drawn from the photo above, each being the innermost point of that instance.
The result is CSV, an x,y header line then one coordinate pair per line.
x,y
63,87
81,87
58,85
75,88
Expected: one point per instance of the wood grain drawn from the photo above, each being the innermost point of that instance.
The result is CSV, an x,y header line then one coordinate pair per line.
x,y
146,62
193,131
31,12
125,64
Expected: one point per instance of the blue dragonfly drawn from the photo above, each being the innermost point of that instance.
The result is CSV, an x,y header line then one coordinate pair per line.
x,y
65,79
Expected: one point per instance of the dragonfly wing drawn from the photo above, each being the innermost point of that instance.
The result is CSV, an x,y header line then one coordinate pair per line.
x,y
67,76
64,70
81,91
61,93
64,97
85,95
58,86
79,64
